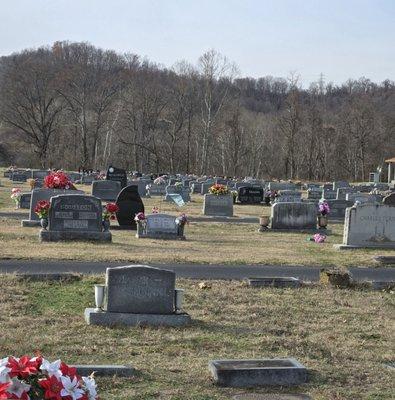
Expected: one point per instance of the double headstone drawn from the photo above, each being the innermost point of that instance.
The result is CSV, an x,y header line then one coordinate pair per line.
x,y
75,217
294,216
289,196
369,225
221,206
250,195
160,226
138,295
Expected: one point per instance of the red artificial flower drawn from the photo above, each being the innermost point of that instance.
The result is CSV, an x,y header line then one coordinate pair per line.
x,y
3,388
112,208
42,205
22,368
52,387
112,217
57,180
24,396
69,371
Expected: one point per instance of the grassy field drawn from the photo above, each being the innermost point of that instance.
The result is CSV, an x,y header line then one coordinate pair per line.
x,y
343,337
207,242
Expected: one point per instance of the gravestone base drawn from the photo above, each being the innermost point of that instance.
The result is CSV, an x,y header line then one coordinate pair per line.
x,y
388,246
312,231
58,236
27,223
275,281
253,373
106,318
161,236
120,371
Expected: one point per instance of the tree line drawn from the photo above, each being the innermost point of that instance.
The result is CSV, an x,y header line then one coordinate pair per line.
x,y
74,105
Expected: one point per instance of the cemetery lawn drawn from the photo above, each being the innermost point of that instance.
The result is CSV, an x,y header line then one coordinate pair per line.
x,y
343,337
207,242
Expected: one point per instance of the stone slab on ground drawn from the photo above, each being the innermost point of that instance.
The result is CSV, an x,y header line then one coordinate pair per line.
x,y
124,371
310,231
261,372
58,236
51,277
129,319
27,223
270,396
386,260
274,281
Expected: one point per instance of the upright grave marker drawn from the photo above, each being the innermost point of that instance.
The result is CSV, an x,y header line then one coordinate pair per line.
x,y
106,190
130,204
117,174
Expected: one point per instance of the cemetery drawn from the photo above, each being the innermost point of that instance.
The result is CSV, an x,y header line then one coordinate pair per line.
x,y
177,223
221,324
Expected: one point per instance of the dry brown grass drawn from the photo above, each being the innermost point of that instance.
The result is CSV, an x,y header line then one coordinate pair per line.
x,y
207,242
343,337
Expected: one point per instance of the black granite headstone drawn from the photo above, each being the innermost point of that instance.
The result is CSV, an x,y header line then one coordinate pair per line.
x,y
250,195
117,174
130,204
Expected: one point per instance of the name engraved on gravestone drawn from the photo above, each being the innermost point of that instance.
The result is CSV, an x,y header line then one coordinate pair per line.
x,y
75,212
161,223
140,289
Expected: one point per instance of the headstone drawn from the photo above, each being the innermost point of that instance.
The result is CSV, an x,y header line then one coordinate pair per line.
x,y
106,190
338,208
138,295
206,186
218,205
75,217
19,177
196,187
88,179
364,198
389,200
340,184
39,174
140,290
130,204
263,372
25,200
43,194
178,189
288,196
343,191
369,225
157,190
314,194
160,226
250,195
117,174
328,194
274,281
294,216
281,186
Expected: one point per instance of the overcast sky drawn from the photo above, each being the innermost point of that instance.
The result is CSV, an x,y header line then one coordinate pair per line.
x,y
340,38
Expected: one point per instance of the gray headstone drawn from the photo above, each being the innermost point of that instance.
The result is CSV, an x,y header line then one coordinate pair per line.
x,y
389,200
338,208
218,205
161,224
106,190
288,196
140,289
340,184
25,200
70,212
46,194
294,216
370,225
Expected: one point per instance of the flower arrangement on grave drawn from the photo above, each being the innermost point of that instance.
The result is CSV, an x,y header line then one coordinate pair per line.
x,y
318,238
155,210
140,217
324,208
218,190
182,220
16,196
42,209
159,181
32,183
58,180
36,378
109,211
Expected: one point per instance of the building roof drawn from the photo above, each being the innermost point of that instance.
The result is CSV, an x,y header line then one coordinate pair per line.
x,y
391,160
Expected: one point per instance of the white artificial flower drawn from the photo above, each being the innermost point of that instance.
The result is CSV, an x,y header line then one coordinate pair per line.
x,y
3,362
52,369
70,388
90,386
4,377
18,388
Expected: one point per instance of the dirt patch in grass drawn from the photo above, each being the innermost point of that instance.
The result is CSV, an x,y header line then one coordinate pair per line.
x,y
343,337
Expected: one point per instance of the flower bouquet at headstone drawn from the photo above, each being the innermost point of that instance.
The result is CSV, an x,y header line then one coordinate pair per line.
x,y
16,196
324,210
42,210
109,211
141,221
58,180
38,379
181,221
219,190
